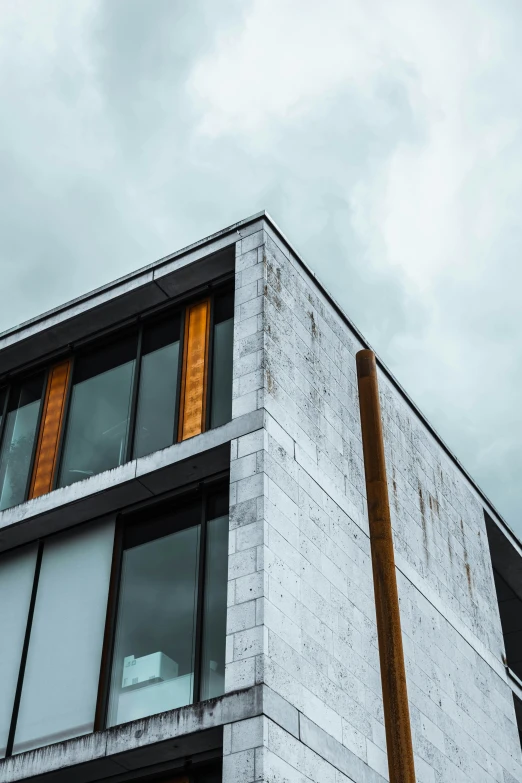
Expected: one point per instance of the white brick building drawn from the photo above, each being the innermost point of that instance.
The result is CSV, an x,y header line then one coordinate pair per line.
x,y
294,692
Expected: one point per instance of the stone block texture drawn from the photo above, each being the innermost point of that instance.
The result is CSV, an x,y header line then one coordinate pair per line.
x,y
301,612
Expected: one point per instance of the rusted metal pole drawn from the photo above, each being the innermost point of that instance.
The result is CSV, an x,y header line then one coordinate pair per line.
x,y
393,675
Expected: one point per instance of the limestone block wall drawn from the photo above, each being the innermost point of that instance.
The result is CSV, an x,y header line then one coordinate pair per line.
x,y
301,615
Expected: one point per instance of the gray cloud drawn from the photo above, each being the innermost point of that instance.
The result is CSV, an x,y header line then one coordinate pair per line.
x,y
386,144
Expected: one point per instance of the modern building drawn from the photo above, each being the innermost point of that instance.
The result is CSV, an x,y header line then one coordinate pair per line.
x,y
186,588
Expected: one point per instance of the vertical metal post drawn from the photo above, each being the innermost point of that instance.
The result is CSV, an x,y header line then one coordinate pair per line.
x,y
393,673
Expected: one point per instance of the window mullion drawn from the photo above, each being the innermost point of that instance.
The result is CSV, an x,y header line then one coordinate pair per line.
x,y
134,398
181,374
198,641
25,650
110,629
2,425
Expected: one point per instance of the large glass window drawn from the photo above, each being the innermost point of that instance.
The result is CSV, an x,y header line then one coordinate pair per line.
x,y
61,675
165,380
97,427
162,643
221,395
156,412
16,584
215,613
160,601
18,440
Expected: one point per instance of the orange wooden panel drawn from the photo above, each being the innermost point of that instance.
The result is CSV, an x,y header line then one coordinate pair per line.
x,y
195,371
52,416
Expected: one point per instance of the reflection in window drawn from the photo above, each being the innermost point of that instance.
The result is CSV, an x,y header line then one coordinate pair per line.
x,y
153,663
98,421
160,601
156,414
16,585
58,698
18,440
215,611
221,402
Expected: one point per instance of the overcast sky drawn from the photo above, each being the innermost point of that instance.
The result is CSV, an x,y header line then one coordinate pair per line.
x,y
384,138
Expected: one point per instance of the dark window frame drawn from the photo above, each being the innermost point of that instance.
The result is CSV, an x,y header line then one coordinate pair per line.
x,y
142,515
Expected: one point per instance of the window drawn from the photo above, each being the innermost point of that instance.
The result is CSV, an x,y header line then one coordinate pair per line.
x,y
98,422
221,400
74,660
156,413
19,425
58,698
172,584
167,379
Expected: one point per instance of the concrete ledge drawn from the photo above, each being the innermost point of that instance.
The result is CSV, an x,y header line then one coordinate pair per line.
x,y
183,463
192,732
195,729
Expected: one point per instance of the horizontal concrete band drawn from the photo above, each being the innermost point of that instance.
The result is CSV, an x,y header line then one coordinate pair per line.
x,y
134,745
139,480
141,743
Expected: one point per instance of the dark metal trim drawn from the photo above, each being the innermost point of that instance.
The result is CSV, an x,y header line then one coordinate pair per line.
x,y
37,432
200,606
65,422
179,380
104,681
25,650
133,408
4,414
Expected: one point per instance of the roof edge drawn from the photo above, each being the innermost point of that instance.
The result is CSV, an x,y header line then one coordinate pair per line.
x,y
133,275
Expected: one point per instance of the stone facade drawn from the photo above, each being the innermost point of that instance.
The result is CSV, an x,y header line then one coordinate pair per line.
x,y
301,618
303,700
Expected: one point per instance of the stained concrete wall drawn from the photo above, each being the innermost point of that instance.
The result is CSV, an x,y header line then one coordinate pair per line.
x,y
301,613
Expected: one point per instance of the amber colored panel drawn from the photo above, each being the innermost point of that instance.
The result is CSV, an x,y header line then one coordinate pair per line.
x,y
195,370
52,416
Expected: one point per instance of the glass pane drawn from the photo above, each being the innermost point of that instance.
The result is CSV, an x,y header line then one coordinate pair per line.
x,y
221,406
16,584
215,609
18,441
98,421
63,662
157,400
153,665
